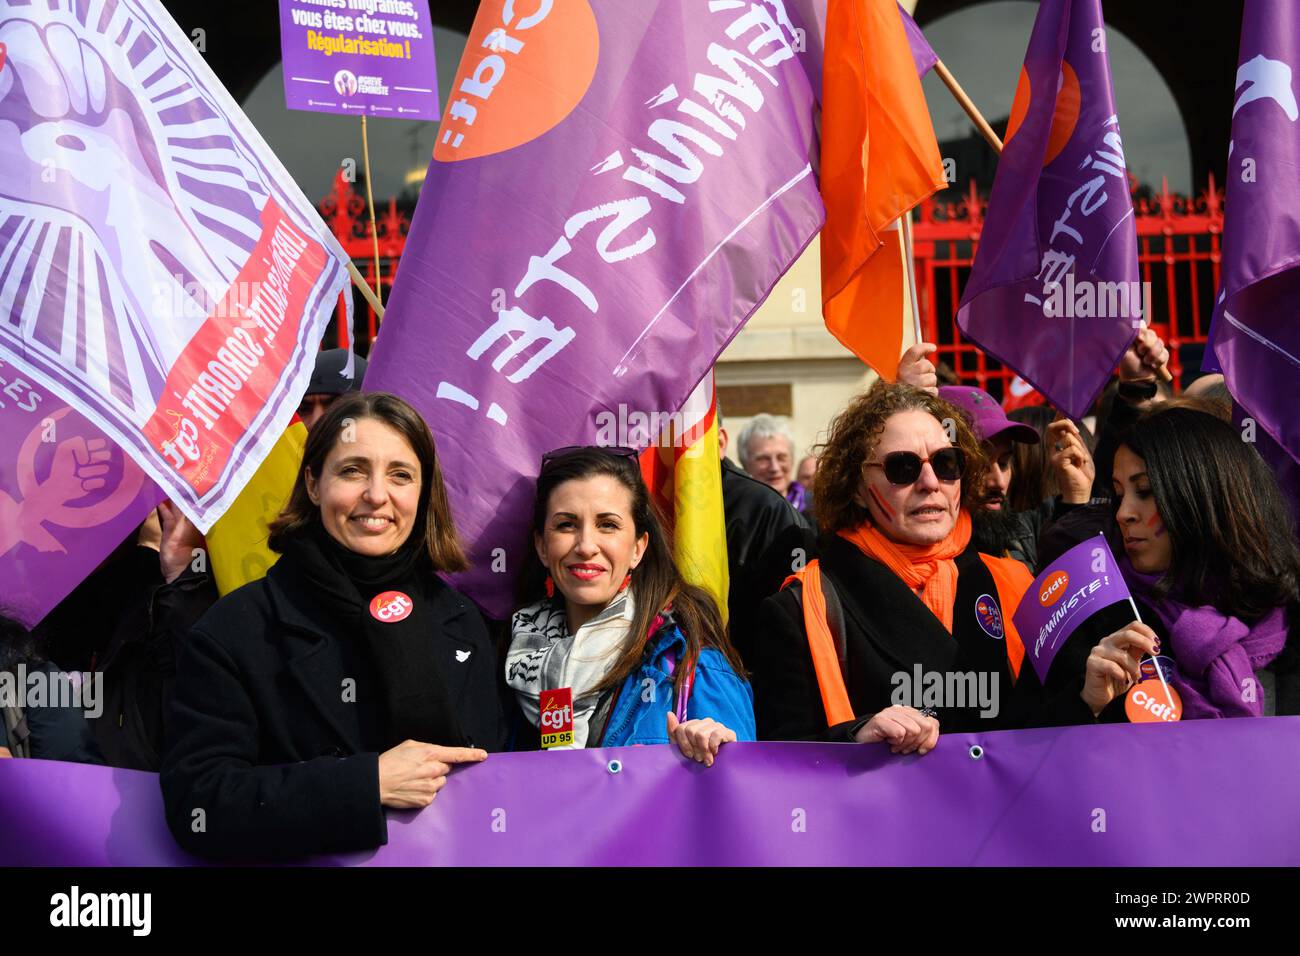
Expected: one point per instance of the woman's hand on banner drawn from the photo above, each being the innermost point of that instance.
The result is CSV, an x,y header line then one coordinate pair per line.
x,y
699,739
1113,664
412,773
1071,461
917,370
906,729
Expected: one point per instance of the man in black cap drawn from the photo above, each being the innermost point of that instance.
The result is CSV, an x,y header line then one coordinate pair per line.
x,y
327,383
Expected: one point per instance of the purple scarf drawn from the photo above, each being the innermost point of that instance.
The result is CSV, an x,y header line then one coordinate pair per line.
x,y
1217,655
796,495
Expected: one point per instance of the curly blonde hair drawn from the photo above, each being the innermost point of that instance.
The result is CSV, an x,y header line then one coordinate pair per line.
x,y
856,431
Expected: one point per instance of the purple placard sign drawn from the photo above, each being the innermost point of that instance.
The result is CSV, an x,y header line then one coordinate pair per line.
x,y
373,58
1028,801
1074,587
68,497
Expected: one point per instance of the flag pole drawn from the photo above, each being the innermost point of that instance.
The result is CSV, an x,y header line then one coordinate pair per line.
x,y
965,103
367,293
374,229
909,260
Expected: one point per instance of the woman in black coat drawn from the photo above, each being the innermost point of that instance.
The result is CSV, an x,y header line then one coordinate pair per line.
x,y
349,679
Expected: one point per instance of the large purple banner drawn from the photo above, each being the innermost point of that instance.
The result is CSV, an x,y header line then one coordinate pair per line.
x,y
372,57
615,187
68,496
1054,290
160,271
1256,334
1077,796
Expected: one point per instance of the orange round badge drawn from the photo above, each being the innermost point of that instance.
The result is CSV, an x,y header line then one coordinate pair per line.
x,y
1146,703
390,607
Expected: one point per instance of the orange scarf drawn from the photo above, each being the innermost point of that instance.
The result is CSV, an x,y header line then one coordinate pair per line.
x,y
930,570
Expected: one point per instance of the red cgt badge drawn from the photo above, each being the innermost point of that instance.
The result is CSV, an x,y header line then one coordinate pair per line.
x,y
390,607
556,720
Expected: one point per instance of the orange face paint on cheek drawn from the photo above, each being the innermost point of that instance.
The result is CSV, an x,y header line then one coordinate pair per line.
x,y
887,511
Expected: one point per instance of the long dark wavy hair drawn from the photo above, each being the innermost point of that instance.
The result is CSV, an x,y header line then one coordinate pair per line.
x,y
1227,521
656,580
854,434
433,522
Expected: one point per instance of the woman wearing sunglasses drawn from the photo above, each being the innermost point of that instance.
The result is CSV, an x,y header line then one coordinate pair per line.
x,y
635,654
901,627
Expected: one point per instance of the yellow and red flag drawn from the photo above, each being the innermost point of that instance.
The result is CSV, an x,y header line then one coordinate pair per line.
x,y
879,160
684,475
237,542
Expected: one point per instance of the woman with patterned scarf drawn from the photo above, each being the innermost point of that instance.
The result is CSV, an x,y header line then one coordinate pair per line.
x,y
902,626
621,650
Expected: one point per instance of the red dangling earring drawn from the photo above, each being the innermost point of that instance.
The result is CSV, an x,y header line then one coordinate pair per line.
x,y
550,587
626,581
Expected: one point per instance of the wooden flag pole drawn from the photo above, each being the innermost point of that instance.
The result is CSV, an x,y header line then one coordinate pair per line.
x,y
909,260
374,229
367,293
965,103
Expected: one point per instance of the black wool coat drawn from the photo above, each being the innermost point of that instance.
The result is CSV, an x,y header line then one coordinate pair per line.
x,y
266,758
889,631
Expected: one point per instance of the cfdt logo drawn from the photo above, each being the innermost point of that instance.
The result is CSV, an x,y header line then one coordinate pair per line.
x,y
1053,589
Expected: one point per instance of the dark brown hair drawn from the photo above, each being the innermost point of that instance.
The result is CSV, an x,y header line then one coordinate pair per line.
x,y
433,521
656,580
1228,524
1033,480
854,434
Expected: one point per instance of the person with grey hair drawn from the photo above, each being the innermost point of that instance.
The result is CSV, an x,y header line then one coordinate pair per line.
x,y
766,449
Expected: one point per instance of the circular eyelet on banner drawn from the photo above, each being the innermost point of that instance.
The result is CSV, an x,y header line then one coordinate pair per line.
x,y
976,752
614,766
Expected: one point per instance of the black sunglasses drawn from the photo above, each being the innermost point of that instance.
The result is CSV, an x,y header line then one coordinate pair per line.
x,y
904,467
617,451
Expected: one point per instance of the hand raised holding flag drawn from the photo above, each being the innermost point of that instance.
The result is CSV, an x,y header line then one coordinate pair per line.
x,y
1145,359
1113,664
914,368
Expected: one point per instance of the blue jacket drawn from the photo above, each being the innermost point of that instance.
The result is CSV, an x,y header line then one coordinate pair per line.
x,y
640,714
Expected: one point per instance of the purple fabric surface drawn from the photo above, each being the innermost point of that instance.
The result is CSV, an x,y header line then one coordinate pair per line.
x,y
396,79
65,502
1060,212
1255,335
922,52
1034,797
604,263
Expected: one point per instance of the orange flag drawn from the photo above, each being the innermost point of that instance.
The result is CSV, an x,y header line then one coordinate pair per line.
x,y
879,160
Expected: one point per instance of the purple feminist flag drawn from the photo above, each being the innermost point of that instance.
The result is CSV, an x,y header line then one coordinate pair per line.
x,y
68,497
922,52
369,58
159,270
1072,589
770,804
1256,335
1054,290
614,189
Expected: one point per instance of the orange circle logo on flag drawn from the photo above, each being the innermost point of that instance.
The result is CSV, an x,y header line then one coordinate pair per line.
x,y
1147,703
1054,589
1064,118
518,79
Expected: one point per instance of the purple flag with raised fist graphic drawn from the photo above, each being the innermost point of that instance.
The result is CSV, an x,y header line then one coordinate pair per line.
x,y
614,189
370,58
68,497
160,271
1070,590
1054,290
1256,333
1029,800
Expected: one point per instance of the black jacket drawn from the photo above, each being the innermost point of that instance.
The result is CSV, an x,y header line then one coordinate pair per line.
x,y
889,632
765,539
266,757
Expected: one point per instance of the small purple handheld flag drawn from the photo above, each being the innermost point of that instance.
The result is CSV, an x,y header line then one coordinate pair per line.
x,y
1054,291
1070,590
